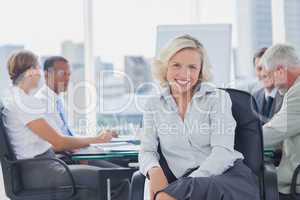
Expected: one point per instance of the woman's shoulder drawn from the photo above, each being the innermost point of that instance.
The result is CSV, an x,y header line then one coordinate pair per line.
x,y
210,89
212,95
220,96
17,100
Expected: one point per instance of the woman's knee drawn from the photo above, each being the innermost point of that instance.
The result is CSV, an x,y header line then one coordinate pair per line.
x,y
164,196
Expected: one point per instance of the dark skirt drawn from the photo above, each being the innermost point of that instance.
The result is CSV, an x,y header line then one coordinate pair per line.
x,y
237,183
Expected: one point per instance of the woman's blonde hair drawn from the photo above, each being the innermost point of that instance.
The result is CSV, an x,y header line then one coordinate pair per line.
x,y
19,62
177,44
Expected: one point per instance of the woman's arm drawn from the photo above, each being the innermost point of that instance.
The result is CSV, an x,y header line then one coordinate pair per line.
x,y
222,132
148,156
61,142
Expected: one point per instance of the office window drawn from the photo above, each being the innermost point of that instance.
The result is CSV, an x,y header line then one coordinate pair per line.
x,y
124,38
124,42
48,27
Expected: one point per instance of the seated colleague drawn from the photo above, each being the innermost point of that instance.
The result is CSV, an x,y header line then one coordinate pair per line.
x,y
192,121
268,99
284,63
57,74
31,136
256,63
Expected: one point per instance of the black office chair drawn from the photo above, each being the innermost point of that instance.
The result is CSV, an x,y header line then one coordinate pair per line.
x,y
293,193
11,169
248,140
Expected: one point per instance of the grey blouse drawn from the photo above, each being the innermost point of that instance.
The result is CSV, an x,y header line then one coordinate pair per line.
x,y
205,138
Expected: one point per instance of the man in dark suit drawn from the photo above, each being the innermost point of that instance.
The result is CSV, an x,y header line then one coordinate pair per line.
x,y
268,99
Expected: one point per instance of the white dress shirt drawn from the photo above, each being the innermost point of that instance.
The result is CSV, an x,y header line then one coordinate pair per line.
x,y
205,138
271,94
19,110
49,98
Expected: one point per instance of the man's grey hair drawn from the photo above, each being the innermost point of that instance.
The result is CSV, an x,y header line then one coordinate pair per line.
x,y
280,54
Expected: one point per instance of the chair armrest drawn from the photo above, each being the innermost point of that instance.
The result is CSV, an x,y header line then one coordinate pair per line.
x,y
270,182
294,181
137,186
66,157
50,190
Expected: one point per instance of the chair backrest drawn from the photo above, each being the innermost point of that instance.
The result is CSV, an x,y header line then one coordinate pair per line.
x,y
11,173
5,146
248,132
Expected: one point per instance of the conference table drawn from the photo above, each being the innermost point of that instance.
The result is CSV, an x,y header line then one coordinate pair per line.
x,y
133,155
125,150
107,156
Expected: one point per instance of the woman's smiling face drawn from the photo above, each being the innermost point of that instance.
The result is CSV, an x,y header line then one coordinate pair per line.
x,y
183,71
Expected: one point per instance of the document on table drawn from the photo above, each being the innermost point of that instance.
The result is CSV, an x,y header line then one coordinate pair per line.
x,y
117,147
92,149
129,138
106,148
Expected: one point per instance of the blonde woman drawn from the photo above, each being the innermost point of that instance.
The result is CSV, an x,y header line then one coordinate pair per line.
x,y
192,122
31,136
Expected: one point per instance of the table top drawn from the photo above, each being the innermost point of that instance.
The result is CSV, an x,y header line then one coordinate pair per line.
x,y
107,156
134,154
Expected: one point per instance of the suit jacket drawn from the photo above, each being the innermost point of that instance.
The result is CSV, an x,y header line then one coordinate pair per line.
x,y
284,128
261,101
